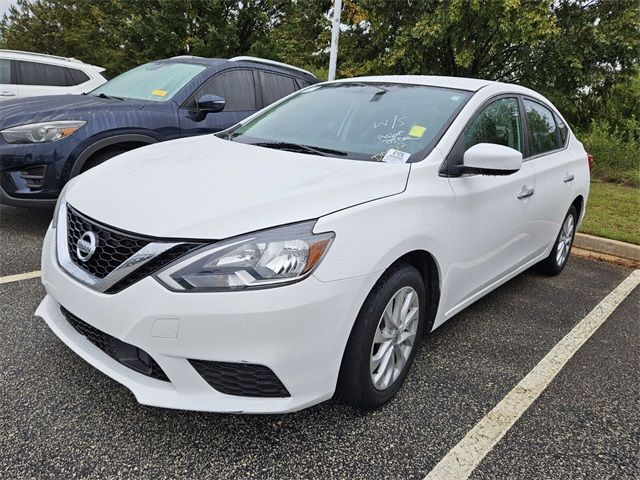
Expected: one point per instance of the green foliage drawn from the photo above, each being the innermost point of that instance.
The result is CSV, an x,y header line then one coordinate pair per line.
x,y
475,38
581,54
616,152
595,48
120,34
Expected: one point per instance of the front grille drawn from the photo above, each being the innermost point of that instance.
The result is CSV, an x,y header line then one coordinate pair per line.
x,y
240,379
113,247
125,353
153,266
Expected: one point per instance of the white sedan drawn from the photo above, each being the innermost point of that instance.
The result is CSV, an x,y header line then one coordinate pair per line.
x,y
304,252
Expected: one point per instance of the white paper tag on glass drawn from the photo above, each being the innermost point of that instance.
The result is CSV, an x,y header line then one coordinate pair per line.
x,y
396,156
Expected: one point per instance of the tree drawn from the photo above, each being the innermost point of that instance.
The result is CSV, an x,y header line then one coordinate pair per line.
x,y
491,39
595,48
120,34
576,52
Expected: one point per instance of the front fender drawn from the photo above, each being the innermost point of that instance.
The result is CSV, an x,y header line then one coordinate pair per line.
x,y
372,236
101,143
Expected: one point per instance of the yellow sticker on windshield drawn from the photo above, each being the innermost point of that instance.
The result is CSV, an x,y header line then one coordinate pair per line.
x,y
159,93
417,131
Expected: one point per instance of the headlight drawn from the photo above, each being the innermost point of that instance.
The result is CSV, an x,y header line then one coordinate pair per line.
x,y
41,132
268,258
61,198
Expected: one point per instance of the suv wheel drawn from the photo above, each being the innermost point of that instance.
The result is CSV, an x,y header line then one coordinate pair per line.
x,y
101,157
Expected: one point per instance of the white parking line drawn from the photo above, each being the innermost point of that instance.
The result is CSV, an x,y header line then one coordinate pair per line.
x,y
19,276
462,459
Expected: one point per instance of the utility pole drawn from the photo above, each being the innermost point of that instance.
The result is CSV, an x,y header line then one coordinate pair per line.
x,y
335,33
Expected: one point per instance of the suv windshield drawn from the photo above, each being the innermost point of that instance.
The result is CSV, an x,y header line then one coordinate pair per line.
x,y
361,121
156,81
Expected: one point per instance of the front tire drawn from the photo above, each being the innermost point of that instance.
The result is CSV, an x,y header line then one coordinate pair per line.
x,y
557,259
384,338
101,157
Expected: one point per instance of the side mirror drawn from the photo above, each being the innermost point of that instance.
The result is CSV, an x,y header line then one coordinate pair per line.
x,y
491,159
210,103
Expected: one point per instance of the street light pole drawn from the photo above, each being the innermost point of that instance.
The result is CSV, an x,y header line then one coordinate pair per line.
x,y
335,33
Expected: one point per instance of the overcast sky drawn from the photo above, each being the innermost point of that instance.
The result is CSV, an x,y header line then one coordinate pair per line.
x,y
4,5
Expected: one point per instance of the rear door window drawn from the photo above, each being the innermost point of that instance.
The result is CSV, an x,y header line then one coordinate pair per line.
x,y
34,73
275,86
5,71
542,127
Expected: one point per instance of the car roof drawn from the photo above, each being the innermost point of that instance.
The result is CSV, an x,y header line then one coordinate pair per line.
x,y
44,58
460,83
194,59
256,60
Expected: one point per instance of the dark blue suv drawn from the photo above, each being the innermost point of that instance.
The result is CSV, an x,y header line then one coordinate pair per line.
x,y
44,141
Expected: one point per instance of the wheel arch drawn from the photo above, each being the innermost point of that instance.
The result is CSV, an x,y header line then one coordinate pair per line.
x,y
578,202
107,143
429,269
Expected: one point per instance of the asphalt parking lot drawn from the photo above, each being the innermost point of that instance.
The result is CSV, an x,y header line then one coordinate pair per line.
x,y
61,418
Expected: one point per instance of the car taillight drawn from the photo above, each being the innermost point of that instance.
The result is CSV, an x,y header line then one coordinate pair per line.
x,y
590,160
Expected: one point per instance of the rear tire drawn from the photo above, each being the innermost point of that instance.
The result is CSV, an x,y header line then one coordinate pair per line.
x,y
383,340
557,259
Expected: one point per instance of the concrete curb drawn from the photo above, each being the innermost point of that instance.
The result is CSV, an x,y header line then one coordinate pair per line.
x,y
606,246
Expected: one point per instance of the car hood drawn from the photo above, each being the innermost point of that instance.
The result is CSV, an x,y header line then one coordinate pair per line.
x,y
22,111
210,188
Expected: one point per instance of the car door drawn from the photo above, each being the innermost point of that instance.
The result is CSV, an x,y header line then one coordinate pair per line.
x,y
555,167
492,212
8,88
237,86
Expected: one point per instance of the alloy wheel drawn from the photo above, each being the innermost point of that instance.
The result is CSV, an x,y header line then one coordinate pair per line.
x,y
394,338
565,240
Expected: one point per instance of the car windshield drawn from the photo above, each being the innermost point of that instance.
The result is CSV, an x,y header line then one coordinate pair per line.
x,y
361,121
155,81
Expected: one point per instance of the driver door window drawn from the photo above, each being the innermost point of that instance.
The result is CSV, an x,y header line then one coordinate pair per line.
x,y
7,88
498,123
237,87
5,72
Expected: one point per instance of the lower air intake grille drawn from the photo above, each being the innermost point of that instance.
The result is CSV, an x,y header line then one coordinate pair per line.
x,y
240,379
125,353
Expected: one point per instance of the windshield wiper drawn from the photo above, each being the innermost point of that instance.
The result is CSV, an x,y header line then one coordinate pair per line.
x,y
297,147
104,95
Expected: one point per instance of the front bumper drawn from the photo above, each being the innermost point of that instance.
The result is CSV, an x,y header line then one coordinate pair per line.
x,y
30,202
55,157
298,331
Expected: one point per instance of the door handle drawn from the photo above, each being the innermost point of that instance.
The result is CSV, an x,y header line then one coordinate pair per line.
x,y
525,193
7,94
568,178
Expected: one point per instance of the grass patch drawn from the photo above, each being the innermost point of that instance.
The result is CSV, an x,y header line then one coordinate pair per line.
x,y
613,211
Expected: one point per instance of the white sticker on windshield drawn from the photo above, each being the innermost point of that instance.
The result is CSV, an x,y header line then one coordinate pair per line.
x,y
396,156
